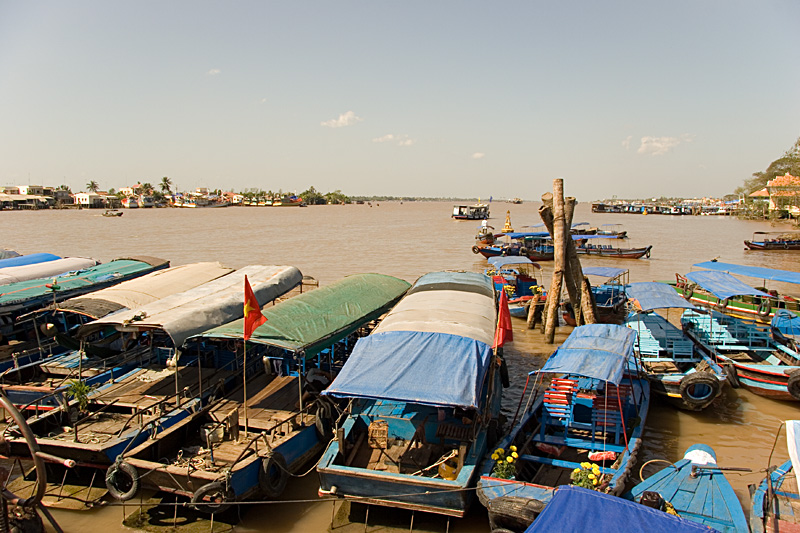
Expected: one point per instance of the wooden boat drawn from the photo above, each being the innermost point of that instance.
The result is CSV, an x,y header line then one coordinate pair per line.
x,y
583,247
240,449
424,391
470,212
697,489
113,212
610,296
775,499
591,416
577,510
747,351
774,240
785,327
536,246
289,201
740,299
520,278
687,377
613,230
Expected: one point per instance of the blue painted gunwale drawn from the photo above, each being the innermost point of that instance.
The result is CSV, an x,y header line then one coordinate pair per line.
x,y
707,499
759,495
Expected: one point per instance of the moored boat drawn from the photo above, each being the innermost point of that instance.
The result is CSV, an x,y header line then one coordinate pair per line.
x,y
610,296
774,240
521,279
470,212
585,427
583,247
424,391
678,372
697,489
774,501
536,246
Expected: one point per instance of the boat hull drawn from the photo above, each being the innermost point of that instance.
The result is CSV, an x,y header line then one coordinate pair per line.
x,y
617,253
771,246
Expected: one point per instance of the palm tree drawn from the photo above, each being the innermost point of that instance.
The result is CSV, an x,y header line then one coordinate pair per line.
x,y
93,186
147,188
166,185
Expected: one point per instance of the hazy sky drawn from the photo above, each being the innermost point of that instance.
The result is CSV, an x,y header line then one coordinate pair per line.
x,y
433,98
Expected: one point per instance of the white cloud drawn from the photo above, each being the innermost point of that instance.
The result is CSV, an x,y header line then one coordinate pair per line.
x,y
626,143
213,72
263,100
478,155
385,139
406,142
345,119
662,145
400,140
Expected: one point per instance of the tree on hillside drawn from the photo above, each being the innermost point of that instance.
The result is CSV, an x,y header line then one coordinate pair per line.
x,y
166,185
312,197
92,186
789,162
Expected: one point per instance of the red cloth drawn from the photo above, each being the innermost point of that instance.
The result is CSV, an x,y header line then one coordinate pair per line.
x,y
504,332
252,311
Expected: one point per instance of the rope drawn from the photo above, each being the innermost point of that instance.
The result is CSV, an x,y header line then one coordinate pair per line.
x,y
641,470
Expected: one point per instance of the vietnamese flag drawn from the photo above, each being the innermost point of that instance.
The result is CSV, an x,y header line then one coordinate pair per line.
x,y
252,311
504,330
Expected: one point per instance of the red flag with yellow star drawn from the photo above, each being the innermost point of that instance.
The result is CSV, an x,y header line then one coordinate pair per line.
x,y
252,311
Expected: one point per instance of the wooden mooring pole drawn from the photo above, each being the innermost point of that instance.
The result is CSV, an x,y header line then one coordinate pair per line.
x,y
554,294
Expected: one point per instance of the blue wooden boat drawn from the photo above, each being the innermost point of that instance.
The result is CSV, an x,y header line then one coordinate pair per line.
x,y
785,327
610,296
697,489
677,370
578,510
751,357
776,499
536,246
424,391
240,449
520,278
590,416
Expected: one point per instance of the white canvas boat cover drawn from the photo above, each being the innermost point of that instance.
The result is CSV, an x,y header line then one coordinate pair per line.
x,y
15,274
145,290
201,308
793,444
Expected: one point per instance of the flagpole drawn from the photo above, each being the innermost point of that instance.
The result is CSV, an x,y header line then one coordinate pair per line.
x,y
244,379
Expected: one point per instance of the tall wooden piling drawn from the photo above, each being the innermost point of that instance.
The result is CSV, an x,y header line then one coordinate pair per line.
x,y
558,233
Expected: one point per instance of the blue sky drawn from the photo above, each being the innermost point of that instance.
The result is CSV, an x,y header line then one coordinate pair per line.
x,y
437,98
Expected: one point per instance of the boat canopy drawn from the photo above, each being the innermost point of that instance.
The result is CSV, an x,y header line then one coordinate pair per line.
x,y
501,261
433,348
26,294
773,274
601,236
723,285
598,351
141,291
29,259
605,272
206,306
649,295
604,512
459,281
787,323
314,320
527,234
577,224
47,269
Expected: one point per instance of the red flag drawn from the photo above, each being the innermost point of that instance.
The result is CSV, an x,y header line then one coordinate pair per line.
x,y
504,330
252,311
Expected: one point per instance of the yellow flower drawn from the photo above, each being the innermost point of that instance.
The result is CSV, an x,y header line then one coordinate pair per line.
x,y
510,459
512,448
494,456
596,471
576,471
594,482
500,451
514,455
595,466
592,476
586,465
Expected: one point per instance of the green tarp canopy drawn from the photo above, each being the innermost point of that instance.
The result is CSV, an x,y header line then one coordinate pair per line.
x,y
314,320
25,294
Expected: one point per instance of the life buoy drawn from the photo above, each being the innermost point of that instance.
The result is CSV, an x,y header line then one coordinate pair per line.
x,y
698,389
122,481
273,475
212,498
765,308
475,249
793,385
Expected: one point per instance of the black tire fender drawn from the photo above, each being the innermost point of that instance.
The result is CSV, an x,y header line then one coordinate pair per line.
x,y
723,304
513,512
212,498
323,420
504,379
699,378
732,375
764,308
122,481
688,292
793,385
647,253
475,249
273,475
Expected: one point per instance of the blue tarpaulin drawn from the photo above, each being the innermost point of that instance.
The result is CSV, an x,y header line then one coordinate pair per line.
x,y
606,272
723,285
787,323
575,510
786,276
416,367
651,295
602,236
598,351
30,259
529,234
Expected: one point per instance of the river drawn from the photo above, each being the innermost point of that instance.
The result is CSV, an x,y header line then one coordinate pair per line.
x,y
407,240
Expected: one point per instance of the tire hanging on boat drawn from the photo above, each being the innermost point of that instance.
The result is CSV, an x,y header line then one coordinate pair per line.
x,y
723,304
504,373
323,420
688,292
765,308
122,481
732,375
689,384
212,497
475,249
793,385
273,475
